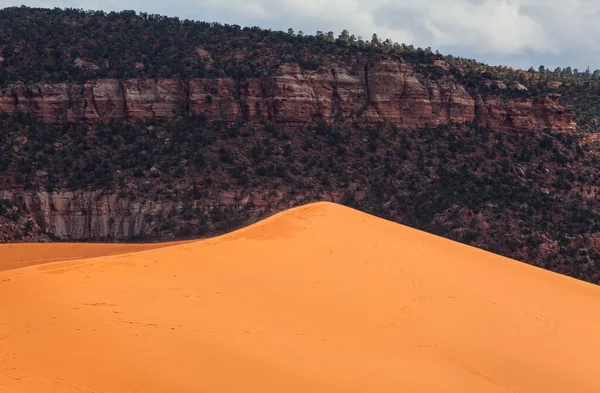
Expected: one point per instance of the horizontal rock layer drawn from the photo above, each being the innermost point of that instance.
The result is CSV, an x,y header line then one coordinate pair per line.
x,y
367,90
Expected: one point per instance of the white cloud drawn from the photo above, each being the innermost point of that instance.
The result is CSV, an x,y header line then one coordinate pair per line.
x,y
517,32
357,16
496,26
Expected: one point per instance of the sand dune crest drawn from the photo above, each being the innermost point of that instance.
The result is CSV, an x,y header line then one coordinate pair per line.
x,y
321,298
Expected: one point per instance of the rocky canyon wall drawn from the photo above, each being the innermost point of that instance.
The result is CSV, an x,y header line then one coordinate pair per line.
x,y
117,216
77,215
366,90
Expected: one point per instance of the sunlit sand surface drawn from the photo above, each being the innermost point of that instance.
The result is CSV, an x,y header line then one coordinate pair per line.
x,y
320,298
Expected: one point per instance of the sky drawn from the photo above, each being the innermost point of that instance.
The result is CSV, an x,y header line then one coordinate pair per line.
x,y
516,33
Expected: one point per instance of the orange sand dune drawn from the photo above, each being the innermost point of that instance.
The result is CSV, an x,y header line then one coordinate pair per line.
x,y
320,298
13,256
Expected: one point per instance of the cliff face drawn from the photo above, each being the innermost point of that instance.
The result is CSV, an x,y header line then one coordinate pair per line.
x,y
96,215
367,90
89,215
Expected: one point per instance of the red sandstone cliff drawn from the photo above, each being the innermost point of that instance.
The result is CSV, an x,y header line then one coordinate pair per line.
x,y
367,90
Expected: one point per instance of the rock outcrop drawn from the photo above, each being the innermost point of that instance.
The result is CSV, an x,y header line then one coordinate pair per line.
x,y
366,90
522,116
90,214
117,216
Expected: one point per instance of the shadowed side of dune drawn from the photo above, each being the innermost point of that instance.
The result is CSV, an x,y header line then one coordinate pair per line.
x,y
318,298
18,255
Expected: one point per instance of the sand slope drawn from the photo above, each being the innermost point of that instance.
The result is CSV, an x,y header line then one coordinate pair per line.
x,y
16,255
320,298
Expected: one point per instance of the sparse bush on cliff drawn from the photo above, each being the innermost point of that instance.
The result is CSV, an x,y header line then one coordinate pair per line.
x,y
16,225
8,210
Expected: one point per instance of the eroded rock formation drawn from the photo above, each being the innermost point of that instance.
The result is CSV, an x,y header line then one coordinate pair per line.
x,y
366,90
